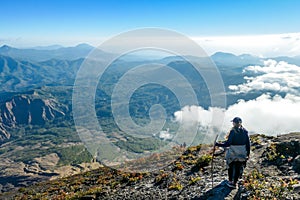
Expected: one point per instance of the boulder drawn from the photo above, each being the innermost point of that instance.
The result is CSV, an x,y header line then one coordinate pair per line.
x,y
296,164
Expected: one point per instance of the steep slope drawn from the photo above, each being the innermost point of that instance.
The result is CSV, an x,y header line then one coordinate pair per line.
x,y
28,109
3,133
24,110
272,172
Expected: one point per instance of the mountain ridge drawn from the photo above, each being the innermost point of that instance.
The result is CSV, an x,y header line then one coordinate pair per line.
x,y
271,173
17,75
28,109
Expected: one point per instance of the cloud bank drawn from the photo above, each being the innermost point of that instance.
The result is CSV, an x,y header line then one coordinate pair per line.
x,y
273,76
267,114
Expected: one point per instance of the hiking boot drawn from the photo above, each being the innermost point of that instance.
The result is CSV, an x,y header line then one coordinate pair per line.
x,y
231,184
241,182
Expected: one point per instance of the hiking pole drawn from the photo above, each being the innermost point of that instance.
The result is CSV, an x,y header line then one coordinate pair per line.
x,y
212,162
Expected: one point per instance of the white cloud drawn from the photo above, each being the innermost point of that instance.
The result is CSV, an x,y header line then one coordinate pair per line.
x,y
269,115
272,76
165,135
265,114
191,114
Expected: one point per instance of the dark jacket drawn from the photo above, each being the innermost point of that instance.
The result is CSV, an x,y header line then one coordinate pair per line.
x,y
237,136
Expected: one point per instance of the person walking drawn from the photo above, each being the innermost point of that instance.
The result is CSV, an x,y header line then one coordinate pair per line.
x,y
238,151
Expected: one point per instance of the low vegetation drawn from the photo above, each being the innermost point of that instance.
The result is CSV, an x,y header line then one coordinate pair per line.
x,y
261,186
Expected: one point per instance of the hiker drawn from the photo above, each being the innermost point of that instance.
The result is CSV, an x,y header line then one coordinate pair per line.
x,y
238,151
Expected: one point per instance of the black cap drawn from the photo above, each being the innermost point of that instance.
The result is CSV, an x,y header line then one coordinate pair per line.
x,y
237,120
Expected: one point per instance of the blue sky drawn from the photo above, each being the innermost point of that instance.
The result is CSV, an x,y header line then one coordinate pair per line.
x,y
33,22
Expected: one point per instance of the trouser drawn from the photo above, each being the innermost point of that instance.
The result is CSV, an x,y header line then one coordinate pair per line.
x,y
235,170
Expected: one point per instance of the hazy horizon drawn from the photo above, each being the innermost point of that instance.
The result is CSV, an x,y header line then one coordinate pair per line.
x,y
266,46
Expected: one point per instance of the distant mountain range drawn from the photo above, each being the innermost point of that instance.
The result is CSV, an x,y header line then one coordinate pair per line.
x,y
25,69
45,53
228,59
50,47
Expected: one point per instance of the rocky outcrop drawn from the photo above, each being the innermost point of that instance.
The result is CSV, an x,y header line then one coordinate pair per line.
x,y
296,164
3,133
27,110
22,109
